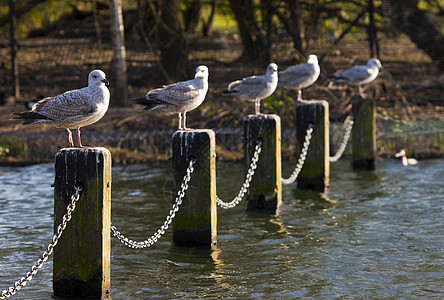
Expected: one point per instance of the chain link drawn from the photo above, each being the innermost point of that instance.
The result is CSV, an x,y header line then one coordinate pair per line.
x,y
301,159
341,149
246,185
12,290
161,231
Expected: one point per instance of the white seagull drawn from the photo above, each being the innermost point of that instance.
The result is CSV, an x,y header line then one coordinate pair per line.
x,y
298,77
179,97
406,161
255,88
359,75
72,109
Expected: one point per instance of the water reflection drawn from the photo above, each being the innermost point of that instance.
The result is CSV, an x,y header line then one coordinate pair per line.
x,y
374,234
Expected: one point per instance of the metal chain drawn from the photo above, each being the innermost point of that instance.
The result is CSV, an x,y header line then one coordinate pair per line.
x,y
341,149
161,231
301,159
55,239
246,185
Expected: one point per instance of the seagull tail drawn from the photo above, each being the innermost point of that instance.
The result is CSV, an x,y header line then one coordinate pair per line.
x,y
149,105
28,117
226,92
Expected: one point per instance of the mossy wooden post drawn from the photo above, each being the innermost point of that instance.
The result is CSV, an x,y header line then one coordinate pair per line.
x,y
195,222
364,133
82,256
265,190
315,173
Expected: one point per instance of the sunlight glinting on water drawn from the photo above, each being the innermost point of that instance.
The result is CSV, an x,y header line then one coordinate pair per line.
x,y
373,234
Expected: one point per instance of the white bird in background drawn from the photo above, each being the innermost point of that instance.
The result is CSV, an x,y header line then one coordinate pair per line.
x,y
359,75
179,97
255,88
406,161
298,77
72,109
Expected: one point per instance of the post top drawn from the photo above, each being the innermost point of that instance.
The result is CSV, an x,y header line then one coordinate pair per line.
x,y
314,102
209,132
104,151
262,116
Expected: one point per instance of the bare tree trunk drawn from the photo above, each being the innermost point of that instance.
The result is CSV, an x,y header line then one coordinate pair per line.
x,y
256,48
192,15
171,38
296,28
206,25
14,61
120,77
414,22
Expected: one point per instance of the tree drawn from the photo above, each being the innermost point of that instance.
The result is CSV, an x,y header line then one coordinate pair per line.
x,y
120,77
414,22
164,21
294,23
14,48
192,14
255,38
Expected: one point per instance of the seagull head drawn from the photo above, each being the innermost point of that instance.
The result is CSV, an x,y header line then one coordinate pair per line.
x,y
272,68
312,59
374,62
97,77
201,72
400,153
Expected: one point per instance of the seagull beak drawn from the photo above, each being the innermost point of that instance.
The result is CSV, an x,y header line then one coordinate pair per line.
x,y
105,81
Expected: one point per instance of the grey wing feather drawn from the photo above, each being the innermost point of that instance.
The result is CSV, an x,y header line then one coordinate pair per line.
x,y
248,83
357,73
295,74
68,104
176,93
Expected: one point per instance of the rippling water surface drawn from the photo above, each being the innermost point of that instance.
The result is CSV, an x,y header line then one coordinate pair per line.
x,y
374,235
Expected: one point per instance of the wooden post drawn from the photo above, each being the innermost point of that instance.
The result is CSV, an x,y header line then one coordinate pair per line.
x,y
265,190
82,256
364,133
195,222
316,170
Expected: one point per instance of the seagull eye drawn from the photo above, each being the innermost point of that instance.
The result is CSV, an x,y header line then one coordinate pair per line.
x,y
94,76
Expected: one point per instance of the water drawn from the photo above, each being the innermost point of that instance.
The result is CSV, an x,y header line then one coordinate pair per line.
x,y
373,235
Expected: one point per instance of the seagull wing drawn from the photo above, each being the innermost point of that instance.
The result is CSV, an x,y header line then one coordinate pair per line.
x,y
249,83
175,94
69,104
295,75
355,74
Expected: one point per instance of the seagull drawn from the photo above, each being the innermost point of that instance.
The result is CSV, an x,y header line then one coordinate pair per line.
x,y
298,77
179,97
406,161
359,75
255,87
72,109
30,104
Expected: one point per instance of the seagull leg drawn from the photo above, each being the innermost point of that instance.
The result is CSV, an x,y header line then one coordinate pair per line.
x,y
180,121
363,96
71,142
299,95
184,121
257,106
78,139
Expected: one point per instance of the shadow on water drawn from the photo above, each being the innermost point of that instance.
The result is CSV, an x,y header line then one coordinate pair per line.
x,y
374,234
312,199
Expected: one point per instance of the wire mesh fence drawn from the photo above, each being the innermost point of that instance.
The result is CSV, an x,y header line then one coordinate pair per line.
x,y
58,56
419,139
